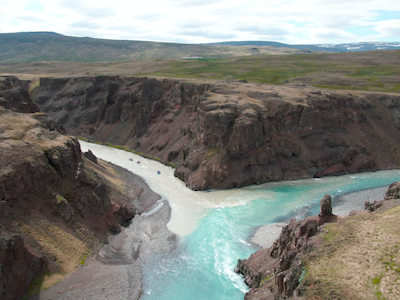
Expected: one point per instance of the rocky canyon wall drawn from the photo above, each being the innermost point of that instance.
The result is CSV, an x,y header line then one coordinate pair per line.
x,y
231,134
55,205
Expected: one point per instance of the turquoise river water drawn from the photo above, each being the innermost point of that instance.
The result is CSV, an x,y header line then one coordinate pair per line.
x,y
215,227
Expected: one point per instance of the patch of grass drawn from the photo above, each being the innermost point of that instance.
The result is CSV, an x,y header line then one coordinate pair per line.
x,y
18,137
375,71
57,243
253,69
358,259
173,165
264,280
34,84
376,281
38,114
61,199
83,260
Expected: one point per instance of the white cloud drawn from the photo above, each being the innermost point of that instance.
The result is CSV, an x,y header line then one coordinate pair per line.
x,y
388,28
196,21
326,34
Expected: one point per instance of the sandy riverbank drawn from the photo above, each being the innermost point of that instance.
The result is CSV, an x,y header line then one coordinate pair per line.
x,y
265,236
116,271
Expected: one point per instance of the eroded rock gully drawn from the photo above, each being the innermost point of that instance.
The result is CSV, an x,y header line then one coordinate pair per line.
x,y
231,134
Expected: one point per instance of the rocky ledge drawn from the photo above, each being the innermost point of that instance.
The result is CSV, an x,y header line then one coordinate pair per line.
x,y
279,272
231,134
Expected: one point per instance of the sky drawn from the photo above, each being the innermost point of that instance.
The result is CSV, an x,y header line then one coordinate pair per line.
x,y
208,21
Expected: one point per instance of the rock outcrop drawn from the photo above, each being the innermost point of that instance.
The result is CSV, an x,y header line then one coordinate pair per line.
x,y
279,272
232,134
326,206
18,267
55,205
14,95
274,273
393,193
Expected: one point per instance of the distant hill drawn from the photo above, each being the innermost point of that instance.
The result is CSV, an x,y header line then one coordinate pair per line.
x,y
51,46
352,47
278,45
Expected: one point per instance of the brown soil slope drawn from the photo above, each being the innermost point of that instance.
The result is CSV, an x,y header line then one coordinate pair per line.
x,y
231,134
56,206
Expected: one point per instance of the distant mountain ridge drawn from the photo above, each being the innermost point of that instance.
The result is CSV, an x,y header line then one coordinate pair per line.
x,y
51,46
278,45
349,47
364,46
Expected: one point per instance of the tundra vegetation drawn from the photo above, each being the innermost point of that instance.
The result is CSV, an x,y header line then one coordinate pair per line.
x,y
366,71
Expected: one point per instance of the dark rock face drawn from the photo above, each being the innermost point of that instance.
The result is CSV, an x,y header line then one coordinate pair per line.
x,y
14,95
18,267
393,192
46,185
274,273
90,156
220,136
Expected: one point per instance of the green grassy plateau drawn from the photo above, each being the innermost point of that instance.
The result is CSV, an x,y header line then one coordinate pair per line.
x,y
367,71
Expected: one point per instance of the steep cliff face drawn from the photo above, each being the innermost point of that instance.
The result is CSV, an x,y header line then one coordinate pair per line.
x,y
55,205
14,95
18,267
231,134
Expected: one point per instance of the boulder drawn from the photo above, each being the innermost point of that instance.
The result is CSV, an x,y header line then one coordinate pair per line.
x,y
326,206
90,156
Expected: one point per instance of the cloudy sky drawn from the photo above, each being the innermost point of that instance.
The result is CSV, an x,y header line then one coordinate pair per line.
x,y
203,21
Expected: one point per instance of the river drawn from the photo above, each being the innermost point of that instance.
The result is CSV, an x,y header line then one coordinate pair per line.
x,y
215,227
